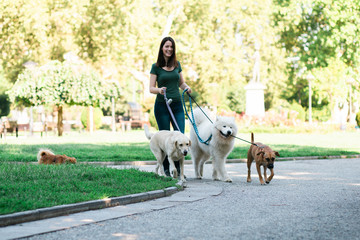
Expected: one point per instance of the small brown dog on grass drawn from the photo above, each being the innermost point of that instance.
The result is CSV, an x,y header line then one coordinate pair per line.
x,y
46,156
264,156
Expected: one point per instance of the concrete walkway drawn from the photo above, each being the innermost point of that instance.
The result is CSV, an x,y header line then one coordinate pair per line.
x,y
307,199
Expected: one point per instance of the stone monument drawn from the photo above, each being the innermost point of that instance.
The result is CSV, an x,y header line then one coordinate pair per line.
x,y
255,90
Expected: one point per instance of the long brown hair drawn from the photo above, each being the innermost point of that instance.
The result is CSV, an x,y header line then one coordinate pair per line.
x,y
161,60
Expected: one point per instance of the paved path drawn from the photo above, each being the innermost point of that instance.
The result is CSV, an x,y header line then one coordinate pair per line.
x,y
311,199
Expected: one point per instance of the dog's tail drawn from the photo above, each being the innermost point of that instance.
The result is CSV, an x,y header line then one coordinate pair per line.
x,y
43,152
148,134
252,137
200,116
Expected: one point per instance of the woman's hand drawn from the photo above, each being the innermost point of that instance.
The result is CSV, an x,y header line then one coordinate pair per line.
x,y
162,90
188,89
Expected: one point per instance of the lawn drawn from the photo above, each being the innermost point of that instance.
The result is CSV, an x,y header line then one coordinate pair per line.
x,y
133,146
29,186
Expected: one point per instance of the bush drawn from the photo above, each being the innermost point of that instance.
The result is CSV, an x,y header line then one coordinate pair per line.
x,y
97,117
4,105
298,108
321,115
152,120
235,100
358,119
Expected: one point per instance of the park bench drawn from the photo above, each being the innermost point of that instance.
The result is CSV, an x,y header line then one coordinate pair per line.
x,y
136,116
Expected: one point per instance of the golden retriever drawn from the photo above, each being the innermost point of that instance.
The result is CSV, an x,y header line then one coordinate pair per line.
x,y
173,144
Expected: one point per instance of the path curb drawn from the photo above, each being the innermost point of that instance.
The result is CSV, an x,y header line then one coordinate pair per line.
x,y
56,211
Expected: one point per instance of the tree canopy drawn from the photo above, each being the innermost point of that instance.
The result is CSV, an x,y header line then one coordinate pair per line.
x,y
215,43
62,83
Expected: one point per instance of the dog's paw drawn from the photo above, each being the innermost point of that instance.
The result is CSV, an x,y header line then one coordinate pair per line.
x,y
175,174
262,183
228,180
248,180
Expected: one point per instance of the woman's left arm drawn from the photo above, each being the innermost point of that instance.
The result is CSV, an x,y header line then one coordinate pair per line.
x,y
183,85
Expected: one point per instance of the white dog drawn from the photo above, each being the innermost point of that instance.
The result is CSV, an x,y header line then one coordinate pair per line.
x,y
173,144
218,148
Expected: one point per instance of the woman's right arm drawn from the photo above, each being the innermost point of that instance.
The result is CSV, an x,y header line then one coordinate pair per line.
x,y
153,88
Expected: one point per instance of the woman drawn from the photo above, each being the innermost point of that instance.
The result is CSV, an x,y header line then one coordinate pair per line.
x,y
166,75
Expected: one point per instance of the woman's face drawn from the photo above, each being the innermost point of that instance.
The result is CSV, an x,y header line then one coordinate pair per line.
x,y
167,49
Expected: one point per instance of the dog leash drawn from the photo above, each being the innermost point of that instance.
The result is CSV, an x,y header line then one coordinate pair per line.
x,y
192,121
168,102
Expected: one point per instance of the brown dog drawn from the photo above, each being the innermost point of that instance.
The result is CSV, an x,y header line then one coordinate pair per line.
x,y
264,156
46,156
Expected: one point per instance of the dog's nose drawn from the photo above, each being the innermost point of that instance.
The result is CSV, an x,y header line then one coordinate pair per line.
x,y
228,132
271,166
185,153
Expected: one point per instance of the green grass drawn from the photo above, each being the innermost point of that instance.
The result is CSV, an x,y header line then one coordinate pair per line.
x,y
27,186
302,145
89,152
133,146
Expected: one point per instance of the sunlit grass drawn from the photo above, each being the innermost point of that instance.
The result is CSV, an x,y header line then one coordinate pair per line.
x,y
133,146
27,186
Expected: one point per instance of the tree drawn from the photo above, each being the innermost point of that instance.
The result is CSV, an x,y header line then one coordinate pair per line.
x,y
215,42
316,34
118,37
4,98
57,83
20,36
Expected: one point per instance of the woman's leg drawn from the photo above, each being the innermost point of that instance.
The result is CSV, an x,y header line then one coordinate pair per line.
x,y
178,111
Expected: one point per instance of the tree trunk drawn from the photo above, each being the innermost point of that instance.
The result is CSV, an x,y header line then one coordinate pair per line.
x,y
91,119
113,115
31,122
169,21
60,125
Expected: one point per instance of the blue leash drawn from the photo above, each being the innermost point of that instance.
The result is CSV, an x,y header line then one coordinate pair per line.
x,y
192,120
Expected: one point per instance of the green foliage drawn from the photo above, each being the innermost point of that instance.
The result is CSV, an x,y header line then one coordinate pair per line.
x,y
152,120
321,115
97,114
319,37
4,105
236,100
299,109
358,119
59,83
215,44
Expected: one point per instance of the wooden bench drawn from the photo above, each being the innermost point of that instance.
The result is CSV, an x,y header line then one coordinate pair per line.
x,y
37,127
137,119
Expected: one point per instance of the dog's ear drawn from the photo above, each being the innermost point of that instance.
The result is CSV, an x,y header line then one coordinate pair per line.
x,y
276,153
176,143
261,152
189,142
